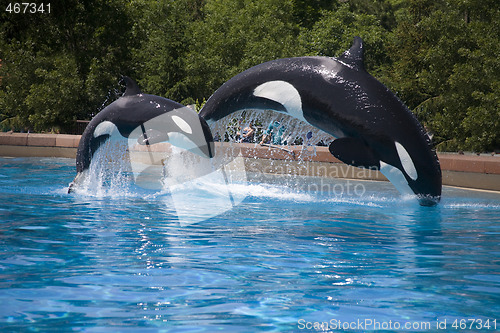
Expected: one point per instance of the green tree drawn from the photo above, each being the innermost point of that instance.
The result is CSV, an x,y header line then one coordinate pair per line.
x,y
18,65
383,10
67,60
236,35
334,32
446,68
308,12
162,29
54,93
440,56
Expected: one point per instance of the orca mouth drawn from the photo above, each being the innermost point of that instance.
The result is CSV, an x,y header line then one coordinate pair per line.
x,y
427,190
182,128
428,200
203,148
209,139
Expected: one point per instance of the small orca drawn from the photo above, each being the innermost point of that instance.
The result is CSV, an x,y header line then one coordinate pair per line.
x,y
147,119
372,127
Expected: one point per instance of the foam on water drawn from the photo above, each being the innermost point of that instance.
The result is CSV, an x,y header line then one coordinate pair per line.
x,y
194,180
294,129
108,174
205,188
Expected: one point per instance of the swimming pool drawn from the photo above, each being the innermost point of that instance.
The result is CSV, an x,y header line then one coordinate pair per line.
x,y
284,260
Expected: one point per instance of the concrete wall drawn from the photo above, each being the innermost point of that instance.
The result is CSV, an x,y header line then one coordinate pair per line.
x,y
38,145
471,171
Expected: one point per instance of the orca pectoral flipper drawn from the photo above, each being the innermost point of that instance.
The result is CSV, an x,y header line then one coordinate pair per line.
x,y
355,152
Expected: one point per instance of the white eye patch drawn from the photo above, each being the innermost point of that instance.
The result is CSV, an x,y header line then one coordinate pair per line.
x,y
283,93
183,125
105,128
406,161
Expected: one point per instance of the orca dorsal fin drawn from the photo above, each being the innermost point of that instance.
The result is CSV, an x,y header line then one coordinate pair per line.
x,y
131,87
354,56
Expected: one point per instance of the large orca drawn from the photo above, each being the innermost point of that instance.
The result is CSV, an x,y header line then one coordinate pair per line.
x,y
147,118
372,127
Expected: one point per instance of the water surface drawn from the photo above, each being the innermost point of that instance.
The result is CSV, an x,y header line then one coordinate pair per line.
x,y
279,262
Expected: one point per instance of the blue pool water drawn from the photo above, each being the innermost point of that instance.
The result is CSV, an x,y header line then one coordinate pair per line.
x,y
284,260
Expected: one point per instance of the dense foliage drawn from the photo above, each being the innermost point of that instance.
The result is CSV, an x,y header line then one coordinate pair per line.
x,y
439,56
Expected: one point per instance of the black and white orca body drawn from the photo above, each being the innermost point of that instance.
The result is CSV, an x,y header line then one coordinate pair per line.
x,y
372,127
146,119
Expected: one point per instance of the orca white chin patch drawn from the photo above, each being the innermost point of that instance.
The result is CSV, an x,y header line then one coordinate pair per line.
x,y
283,93
396,177
105,128
182,141
406,161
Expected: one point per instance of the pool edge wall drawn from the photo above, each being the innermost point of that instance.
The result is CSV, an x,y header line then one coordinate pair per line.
x,y
469,171
38,145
